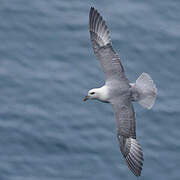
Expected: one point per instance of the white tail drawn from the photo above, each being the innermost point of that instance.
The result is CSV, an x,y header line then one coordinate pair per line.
x,y
146,89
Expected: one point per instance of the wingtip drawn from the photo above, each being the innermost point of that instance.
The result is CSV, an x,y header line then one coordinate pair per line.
x,y
92,11
98,26
92,8
135,158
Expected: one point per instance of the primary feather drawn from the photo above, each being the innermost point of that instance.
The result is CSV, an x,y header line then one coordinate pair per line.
x,y
101,41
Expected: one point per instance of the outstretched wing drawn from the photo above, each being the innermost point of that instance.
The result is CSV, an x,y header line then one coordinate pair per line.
x,y
126,133
101,41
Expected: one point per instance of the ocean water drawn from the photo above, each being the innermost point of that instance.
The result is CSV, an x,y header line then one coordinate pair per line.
x,y
47,65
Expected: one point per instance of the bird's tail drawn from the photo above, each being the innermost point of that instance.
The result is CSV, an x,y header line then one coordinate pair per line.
x,y
144,91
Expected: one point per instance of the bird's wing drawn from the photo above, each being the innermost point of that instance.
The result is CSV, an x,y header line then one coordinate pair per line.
x,y
101,42
126,133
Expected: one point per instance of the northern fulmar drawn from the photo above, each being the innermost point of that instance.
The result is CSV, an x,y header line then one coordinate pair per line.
x,y
120,92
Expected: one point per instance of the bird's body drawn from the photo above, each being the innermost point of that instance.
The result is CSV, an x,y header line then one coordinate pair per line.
x,y
120,92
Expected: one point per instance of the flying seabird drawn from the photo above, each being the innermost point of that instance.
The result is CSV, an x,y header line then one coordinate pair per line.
x,y
120,92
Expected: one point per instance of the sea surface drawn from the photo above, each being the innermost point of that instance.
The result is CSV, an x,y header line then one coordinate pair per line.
x,y
47,66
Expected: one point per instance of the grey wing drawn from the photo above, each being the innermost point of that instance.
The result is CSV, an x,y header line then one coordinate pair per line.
x,y
126,133
101,41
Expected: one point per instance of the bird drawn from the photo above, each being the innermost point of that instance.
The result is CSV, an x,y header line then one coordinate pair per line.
x,y
120,92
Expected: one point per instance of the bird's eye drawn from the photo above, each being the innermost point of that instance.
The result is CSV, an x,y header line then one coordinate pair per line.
x,y
92,93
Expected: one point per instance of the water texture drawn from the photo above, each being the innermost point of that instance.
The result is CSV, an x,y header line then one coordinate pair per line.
x,y
47,65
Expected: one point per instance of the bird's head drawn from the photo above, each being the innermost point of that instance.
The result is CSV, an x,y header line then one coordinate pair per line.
x,y
100,94
92,94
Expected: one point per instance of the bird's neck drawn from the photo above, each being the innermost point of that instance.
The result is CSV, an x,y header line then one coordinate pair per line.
x,y
103,94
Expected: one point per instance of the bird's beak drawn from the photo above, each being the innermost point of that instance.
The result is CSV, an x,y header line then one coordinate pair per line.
x,y
85,98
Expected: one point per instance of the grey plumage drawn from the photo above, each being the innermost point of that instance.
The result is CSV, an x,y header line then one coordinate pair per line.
x,y
101,41
115,75
121,92
126,133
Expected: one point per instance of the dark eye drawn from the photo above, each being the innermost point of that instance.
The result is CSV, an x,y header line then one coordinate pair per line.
x,y
92,93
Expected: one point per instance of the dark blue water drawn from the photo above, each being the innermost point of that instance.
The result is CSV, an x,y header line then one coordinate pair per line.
x,y
46,67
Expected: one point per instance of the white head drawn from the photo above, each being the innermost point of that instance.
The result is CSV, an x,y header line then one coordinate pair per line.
x,y
92,94
98,93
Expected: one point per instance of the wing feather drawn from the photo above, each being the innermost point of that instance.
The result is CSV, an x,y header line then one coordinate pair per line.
x,y
126,133
102,45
